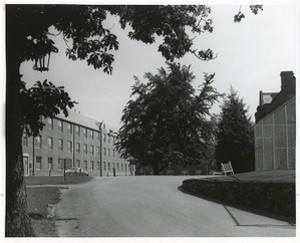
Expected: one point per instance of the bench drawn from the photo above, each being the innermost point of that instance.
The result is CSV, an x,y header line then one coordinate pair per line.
x,y
227,168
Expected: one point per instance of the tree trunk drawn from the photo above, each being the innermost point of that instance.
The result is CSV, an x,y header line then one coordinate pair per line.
x,y
17,221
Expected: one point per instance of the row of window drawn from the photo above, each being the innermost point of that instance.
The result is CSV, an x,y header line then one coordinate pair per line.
x,y
38,164
110,166
108,152
106,137
60,127
38,144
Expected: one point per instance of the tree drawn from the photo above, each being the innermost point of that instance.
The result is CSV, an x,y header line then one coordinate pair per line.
x,y
165,121
28,38
235,135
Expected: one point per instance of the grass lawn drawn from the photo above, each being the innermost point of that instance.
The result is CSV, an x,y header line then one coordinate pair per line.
x,y
55,180
38,199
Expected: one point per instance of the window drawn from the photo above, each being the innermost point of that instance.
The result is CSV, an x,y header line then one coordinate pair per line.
x,y
77,130
104,165
91,134
50,143
118,167
98,150
50,123
108,165
92,150
122,167
85,165
108,138
25,140
69,146
78,163
60,145
60,126
38,141
78,147
50,163
98,165
114,152
114,166
92,166
38,162
85,132
69,128
98,136
104,151
108,152
104,137
85,148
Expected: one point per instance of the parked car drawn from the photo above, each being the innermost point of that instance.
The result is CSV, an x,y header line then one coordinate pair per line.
x,y
76,171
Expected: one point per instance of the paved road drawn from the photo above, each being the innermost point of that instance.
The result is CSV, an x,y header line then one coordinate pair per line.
x,y
153,207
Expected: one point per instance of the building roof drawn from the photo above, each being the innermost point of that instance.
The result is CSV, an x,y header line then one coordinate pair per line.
x,y
287,92
80,119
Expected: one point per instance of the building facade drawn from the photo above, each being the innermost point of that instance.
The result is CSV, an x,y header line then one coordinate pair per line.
x,y
74,143
275,127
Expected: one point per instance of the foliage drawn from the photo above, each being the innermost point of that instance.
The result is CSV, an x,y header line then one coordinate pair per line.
x,y
254,9
42,100
235,136
87,38
166,120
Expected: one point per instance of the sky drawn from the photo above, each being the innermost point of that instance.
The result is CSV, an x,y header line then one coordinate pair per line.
x,y
251,55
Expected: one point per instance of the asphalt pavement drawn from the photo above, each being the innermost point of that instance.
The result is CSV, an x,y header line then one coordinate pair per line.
x,y
152,206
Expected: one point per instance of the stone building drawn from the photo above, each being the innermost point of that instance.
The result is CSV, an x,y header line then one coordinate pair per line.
x,y
275,127
76,143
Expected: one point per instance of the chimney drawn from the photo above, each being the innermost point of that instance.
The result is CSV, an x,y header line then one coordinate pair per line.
x,y
286,78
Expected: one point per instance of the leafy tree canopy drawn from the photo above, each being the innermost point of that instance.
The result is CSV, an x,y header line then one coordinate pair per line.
x,y
235,138
166,119
82,27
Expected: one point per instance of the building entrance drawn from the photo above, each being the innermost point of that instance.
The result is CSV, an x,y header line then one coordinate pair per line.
x,y
26,165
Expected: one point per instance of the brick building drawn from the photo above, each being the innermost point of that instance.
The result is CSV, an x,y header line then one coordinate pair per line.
x,y
76,143
275,127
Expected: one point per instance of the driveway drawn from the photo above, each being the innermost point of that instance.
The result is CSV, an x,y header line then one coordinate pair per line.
x,y
152,206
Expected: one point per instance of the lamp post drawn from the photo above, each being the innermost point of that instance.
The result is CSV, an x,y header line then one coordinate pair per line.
x,y
42,63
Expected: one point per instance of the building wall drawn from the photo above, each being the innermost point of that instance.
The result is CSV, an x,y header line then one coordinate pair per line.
x,y
275,139
92,154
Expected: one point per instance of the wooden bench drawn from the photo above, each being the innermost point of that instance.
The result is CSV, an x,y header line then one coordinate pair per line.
x,y
227,168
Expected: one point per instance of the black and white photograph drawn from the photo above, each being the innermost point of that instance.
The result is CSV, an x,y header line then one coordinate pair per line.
x,y
149,120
